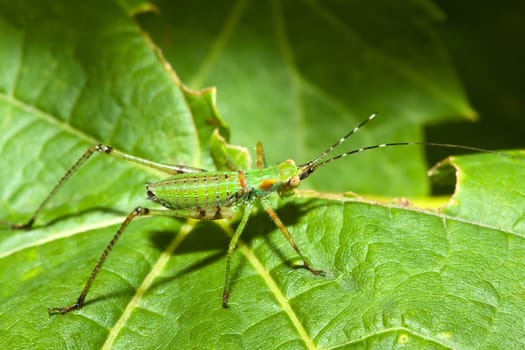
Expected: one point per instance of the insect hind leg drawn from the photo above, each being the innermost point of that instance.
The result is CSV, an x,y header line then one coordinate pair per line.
x,y
103,149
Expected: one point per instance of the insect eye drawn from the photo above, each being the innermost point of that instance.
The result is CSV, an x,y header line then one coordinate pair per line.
x,y
294,181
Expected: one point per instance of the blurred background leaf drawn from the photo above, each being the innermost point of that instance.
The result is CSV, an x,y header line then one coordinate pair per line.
x,y
484,42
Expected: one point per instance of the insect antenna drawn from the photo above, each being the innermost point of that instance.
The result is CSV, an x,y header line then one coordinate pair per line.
x,y
316,166
318,162
341,140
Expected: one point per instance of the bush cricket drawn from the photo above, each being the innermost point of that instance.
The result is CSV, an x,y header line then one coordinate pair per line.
x,y
190,192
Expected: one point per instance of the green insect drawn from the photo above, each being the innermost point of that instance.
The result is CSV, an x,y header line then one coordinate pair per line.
x,y
210,195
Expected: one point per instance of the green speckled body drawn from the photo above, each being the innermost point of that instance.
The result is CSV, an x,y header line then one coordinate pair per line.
x,y
214,189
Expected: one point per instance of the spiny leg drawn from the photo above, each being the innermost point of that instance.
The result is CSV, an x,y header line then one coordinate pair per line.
x,y
231,248
172,169
105,149
139,211
288,236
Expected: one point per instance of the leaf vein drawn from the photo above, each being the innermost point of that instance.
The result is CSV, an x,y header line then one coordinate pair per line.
x,y
219,43
274,288
49,118
396,65
157,268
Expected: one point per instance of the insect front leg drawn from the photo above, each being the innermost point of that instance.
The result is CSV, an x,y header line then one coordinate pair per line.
x,y
104,149
289,238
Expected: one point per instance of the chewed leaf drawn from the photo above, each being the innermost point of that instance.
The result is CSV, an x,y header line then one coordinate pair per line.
x,y
490,189
407,274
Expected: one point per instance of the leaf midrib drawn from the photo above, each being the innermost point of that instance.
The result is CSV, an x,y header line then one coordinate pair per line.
x,y
155,271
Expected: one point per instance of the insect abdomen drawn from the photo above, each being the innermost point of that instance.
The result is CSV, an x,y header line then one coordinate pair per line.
x,y
196,190
210,189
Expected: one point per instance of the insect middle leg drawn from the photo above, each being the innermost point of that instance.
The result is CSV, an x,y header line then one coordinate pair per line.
x,y
231,248
237,234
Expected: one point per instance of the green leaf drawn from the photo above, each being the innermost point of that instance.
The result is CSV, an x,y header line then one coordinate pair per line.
x,y
489,190
297,75
74,74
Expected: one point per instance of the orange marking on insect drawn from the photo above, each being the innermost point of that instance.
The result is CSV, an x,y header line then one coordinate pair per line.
x,y
267,184
242,179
